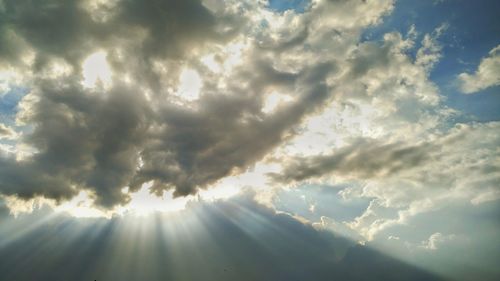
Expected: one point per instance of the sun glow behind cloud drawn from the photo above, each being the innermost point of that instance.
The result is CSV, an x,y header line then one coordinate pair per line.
x,y
190,85
142,202
275,100
95,70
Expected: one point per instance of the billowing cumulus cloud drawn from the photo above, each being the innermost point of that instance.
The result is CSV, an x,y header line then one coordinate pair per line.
x,y
106,108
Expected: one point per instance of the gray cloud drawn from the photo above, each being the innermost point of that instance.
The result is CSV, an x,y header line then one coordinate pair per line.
x,y
198,147
91,139
103,140
83,140
172,26
67,29
52,28
363,159
27,180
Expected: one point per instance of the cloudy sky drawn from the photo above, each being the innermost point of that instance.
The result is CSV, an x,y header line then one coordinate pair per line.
x,y
249,140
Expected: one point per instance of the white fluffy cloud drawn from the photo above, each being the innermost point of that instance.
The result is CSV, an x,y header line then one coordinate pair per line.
x,y
487,74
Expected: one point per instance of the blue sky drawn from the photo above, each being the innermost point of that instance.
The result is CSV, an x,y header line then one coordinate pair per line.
x,y
8,103
284,5
474,29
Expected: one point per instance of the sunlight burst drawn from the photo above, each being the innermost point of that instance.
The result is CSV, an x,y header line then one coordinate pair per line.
x,y
190,85
96,70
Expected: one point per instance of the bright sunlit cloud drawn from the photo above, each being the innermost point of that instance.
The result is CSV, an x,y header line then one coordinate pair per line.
x,y
95,69
190,85
82,206
143,202
274,100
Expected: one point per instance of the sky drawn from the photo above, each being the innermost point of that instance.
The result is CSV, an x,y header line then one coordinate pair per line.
x,y
249,140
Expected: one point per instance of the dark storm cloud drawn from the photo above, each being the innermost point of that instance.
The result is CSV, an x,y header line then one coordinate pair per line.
x,y
9,47
84,140
52,27
197,147
363,159
236,239
172,25
65,29
92,140
104,139
27,180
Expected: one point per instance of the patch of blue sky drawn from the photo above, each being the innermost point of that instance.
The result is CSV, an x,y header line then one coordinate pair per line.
x,y
9,104
474,29
326,199
298,6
